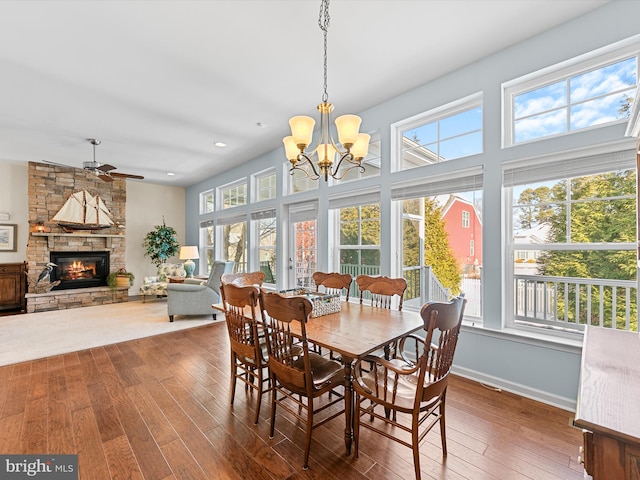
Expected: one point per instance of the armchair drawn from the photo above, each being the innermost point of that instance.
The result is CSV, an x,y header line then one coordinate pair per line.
x,y
157,285
195,297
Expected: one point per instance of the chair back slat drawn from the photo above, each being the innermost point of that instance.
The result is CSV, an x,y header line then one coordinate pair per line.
x,y
382,290
334,283
243,331
447,319
288,351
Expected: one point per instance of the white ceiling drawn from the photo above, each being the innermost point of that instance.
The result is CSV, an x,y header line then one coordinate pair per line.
x,y
159,81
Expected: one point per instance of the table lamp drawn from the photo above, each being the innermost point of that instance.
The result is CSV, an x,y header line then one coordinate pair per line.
x,y
188,253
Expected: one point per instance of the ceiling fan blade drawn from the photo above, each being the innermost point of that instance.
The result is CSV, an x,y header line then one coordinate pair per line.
x,y
126,175
106,167
105,177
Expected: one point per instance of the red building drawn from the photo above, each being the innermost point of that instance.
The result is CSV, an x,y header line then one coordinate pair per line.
x,y
464,229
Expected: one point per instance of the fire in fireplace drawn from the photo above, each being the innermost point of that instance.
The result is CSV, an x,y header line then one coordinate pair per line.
x,y
80,269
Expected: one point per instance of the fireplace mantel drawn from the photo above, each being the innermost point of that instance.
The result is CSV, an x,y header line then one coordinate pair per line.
x,y
52,236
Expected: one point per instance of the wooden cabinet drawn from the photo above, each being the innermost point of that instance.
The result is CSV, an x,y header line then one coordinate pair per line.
x,y
607,407
13,284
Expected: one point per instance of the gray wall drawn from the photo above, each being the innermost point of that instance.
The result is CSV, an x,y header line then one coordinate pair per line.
x,y
543,368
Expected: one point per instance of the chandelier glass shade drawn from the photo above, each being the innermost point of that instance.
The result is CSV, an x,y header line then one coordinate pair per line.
x,y
352,146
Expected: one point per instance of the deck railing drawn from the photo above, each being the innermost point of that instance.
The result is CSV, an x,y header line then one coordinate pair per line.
x,y
571,303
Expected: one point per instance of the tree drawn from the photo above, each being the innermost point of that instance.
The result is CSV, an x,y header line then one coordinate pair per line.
x,y
160,243
437,252
533,206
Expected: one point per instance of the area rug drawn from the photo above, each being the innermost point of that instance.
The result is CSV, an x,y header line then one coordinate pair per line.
x,y
43,334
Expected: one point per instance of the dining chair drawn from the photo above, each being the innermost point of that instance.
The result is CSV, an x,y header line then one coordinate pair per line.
x,y
249,358
333,282
382,291
296,372
413,384
243,279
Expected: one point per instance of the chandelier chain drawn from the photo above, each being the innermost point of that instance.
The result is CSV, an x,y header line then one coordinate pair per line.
x,y
323,22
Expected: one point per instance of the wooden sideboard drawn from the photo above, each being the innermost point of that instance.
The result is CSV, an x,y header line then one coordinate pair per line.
x,y
13,286
607,408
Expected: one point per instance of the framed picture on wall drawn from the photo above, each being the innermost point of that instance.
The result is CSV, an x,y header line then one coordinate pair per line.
x,y
8,237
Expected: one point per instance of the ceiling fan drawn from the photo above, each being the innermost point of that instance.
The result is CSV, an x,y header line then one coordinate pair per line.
x,y
102,170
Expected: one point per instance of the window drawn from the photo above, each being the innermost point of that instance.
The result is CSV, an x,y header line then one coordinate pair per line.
x,y
441,256
445,133
207,236
265,229
371,163
234,241
303,255
358,233
265,186
298,181
574,243
466,217
592,90
206,202
234,195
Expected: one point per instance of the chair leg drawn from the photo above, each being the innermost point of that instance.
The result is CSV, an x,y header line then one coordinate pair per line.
x,y
307,447
259,396
443,435
356,425
234,374
415,444
273,407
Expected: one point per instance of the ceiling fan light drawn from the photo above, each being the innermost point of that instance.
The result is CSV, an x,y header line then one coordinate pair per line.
x,y
348,127
302,129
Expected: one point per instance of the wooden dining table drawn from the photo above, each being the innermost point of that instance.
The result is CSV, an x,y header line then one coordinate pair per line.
x,y
354,332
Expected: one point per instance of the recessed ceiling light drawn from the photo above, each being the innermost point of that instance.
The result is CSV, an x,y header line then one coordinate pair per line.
x,y
171,174
219,144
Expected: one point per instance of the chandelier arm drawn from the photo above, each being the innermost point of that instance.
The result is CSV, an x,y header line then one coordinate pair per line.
x,y
304,159
312,177
335,175
349,158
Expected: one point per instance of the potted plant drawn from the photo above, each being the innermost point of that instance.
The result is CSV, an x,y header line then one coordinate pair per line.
x,y
160,244
121,278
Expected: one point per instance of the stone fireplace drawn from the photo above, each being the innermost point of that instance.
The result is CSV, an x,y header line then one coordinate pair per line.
x,y
49,187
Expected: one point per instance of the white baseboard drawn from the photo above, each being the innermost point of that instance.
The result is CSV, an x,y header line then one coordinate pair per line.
x,y
519,389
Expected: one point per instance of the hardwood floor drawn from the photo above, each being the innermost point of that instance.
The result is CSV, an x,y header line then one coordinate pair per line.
x,y
158,408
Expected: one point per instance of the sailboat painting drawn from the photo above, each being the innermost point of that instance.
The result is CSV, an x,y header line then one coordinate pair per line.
x,y
83,211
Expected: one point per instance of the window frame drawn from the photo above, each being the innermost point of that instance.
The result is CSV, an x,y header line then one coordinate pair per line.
x,y
256,190
204,202
561,166
565,70
436,114
228,187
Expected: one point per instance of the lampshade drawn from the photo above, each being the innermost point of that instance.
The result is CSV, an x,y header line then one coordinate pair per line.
x,y
188,253
348,127
361,146
290,148
302,129
326,151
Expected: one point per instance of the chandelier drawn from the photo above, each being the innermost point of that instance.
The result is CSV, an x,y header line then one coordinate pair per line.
x,y
352,146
